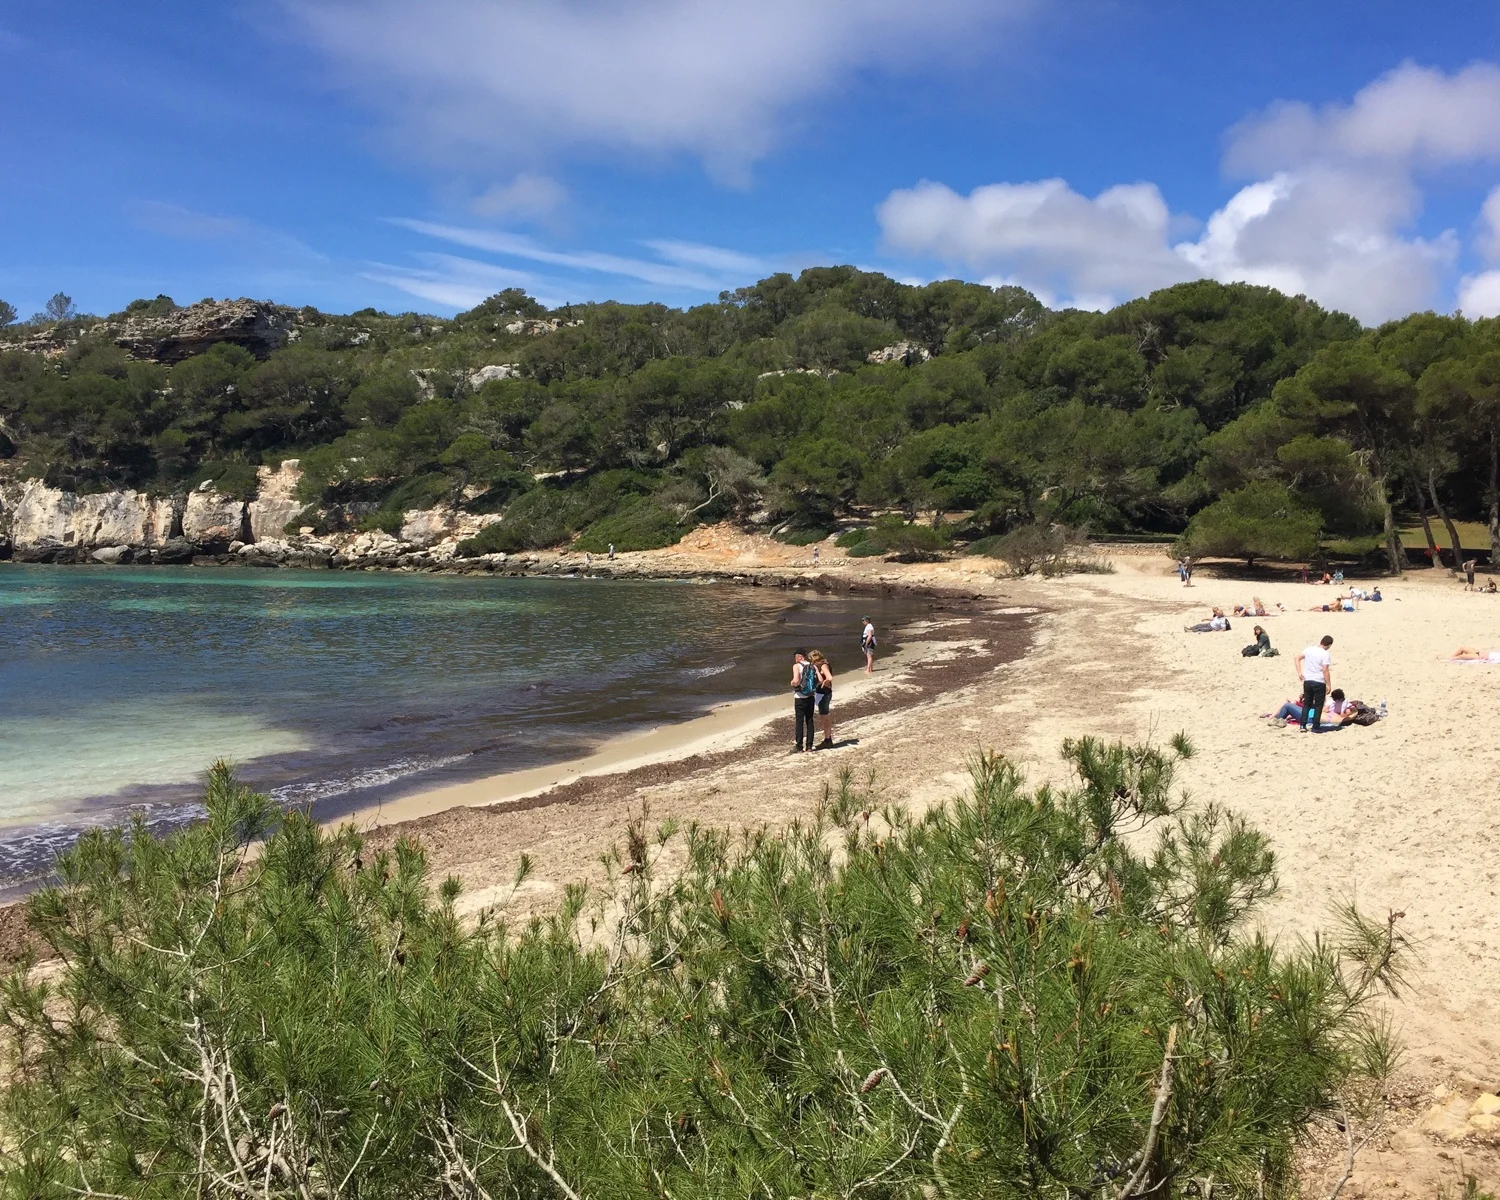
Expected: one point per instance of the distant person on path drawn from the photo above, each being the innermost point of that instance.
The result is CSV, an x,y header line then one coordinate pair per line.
x,y
817,553
804,687
1187,570
1315,668
611,552
1469,566
1182,572
823,695
867,644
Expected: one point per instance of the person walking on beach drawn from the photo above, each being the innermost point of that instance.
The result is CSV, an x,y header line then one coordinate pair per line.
x,y
804,689
1315,668
611,552
817,553
1187,570
822,695
1469,566
867,644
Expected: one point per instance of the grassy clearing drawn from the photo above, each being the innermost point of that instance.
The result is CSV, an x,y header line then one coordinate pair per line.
x,y
1473,534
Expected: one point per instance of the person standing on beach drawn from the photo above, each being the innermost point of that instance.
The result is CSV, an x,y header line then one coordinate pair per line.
x,y
822,695
1469,566
1187,570
804,689
867,644
611,552
1315,669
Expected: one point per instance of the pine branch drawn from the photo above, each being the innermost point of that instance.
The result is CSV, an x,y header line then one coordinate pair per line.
x,y
1158,1114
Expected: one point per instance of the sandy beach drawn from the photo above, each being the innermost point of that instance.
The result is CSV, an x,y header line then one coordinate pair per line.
x,y
1404,815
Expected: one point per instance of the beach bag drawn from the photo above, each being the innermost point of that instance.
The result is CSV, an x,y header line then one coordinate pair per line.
x,y
1270,652
1363,713
1250,651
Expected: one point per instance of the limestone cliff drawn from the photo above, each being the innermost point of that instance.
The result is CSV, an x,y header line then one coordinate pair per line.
x,y
44,524
258,326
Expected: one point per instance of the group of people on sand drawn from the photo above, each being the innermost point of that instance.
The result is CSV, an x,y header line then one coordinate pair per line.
x,y
1469,586
1350,601
1319,698
812,690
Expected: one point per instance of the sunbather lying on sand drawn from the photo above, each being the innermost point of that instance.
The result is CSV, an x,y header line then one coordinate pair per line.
x,y
1214,624
1256,608
1468,654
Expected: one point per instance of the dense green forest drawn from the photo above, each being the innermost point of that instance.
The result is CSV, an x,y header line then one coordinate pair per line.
x,y
1256,423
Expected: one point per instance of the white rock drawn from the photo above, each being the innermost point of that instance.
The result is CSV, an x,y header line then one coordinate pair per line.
x,y
212,517
423,526
110,554
907,352
125,518
477,379
275,503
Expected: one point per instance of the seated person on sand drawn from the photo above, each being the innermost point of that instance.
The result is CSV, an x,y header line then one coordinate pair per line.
x,y
1256,608
1261,647
1491,590
1214,624
1336,712
1327,578
1468,654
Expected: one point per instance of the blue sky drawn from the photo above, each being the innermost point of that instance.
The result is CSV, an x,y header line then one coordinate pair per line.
x,y
346,153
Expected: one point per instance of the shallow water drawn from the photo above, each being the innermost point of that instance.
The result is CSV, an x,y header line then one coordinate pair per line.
x,y
118,686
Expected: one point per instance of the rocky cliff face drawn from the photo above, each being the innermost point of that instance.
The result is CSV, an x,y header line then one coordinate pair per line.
x,y
170,337
42,524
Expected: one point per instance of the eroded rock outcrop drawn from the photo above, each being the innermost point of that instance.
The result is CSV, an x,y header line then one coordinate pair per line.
x,y
257,325
275,502
43,524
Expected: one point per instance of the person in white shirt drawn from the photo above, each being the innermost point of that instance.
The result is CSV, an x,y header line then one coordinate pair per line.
x,y
1315,668
867,644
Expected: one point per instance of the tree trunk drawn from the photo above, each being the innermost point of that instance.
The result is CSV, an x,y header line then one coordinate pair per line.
x,y
1495,498
1393,552
1414,492
1458,549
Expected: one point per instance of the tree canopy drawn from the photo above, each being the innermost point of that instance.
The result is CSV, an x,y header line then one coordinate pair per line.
x,y
837,390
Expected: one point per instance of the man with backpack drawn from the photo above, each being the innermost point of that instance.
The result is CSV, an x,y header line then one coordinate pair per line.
x,y
804,698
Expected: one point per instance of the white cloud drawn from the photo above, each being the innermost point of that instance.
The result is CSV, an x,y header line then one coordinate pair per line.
x,y
1488,240
461,78
1331,214
527,197
1479,295
1412,115
1044,235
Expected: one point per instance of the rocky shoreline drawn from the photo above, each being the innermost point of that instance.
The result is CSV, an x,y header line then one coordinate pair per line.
x,y
206,528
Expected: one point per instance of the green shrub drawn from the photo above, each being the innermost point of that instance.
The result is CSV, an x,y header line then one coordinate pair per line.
x,y
914,543
1260,520
869,548
535,520
1016,994
642,525
852,537
237,480
386,520
802,537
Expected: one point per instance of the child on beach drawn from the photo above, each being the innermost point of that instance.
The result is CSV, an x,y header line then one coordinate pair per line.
x,y
867,644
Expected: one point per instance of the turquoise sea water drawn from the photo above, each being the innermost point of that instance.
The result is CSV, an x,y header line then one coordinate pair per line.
x,y
118,687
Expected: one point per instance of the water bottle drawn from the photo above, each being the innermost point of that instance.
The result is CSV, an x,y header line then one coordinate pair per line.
x,y
1384,711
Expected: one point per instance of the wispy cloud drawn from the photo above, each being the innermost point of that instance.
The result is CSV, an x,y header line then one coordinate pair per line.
x,y
173,220
451,280
527,197
515,245
710,258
